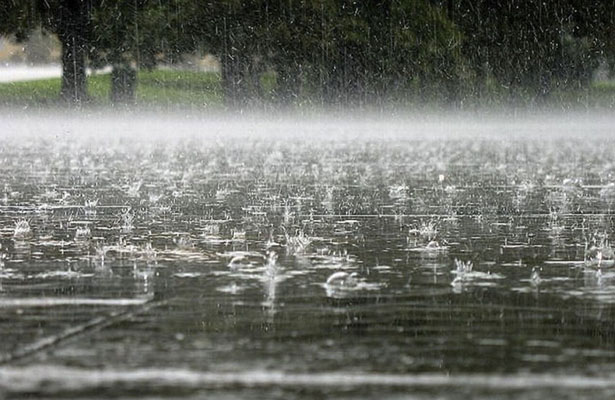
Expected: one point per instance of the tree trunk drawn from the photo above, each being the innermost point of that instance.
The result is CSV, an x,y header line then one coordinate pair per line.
x,y
123,82
73,33
74,84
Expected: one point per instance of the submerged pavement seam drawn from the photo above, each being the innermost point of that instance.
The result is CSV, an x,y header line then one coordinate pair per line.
x,y
94,325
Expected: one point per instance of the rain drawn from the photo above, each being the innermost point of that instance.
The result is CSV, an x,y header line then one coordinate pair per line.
x,y
306,199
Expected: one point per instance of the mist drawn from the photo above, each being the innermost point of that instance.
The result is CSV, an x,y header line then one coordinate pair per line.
x,y
172,126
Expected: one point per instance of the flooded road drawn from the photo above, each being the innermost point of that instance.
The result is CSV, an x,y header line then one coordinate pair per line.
x,y
343,265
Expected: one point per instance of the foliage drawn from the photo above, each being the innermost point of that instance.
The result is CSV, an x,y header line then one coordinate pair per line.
x,y
342,51
531,46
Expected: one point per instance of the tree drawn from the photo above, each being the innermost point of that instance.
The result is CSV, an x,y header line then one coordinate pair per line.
x,y
531,47
332,51
367,52
70,21
133,34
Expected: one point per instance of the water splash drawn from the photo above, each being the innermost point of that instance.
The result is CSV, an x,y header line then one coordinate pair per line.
x,y
22,230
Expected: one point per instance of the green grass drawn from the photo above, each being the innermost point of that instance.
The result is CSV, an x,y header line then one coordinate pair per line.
x,y
174,89
40,92
165,88
181,88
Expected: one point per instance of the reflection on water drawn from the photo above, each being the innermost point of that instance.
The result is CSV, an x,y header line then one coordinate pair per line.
x,y
324,266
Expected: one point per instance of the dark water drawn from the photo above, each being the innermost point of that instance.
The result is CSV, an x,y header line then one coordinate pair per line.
x,y
472,268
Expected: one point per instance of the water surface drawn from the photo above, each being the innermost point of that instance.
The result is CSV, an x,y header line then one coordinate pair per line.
x,y
200,264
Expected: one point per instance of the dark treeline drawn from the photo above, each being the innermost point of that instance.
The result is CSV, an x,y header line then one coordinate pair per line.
x,y
335,51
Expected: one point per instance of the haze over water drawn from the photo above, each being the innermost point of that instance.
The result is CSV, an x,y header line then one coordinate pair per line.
x,y
181,256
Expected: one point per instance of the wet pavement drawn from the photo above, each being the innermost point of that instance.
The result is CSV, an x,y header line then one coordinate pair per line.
x,y
285,268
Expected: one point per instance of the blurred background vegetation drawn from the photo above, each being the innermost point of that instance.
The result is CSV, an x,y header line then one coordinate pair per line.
x,y
326,53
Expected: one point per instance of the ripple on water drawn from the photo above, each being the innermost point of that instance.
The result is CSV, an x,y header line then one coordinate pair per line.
x,y
195,222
